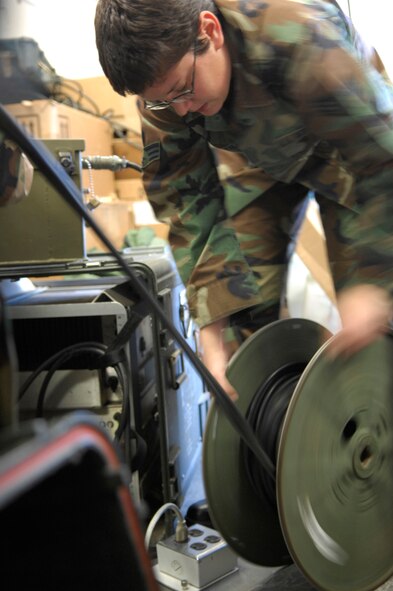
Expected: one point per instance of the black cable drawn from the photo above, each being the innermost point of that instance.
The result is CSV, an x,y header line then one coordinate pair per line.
x,y
122,371
133,165
265,415
125,382
59,362
53,363
48,362
77,87
138,460
124,429
60,180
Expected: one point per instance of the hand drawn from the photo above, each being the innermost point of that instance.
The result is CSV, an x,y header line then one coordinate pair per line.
x,y
365,312
215,355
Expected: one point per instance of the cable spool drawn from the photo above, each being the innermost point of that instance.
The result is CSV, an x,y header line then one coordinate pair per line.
x,y
265,415
327,427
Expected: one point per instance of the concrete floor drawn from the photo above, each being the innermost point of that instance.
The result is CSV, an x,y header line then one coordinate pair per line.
x,y
250,577
257,578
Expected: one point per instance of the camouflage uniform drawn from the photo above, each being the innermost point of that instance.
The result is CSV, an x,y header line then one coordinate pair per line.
x,y
310,108
16,173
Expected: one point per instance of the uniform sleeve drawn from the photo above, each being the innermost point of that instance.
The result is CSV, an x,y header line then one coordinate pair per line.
x,y
181,181
340,88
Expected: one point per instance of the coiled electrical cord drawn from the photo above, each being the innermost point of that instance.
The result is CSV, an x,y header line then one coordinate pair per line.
x,y
265,416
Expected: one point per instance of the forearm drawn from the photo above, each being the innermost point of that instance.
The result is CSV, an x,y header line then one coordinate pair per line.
x,y
215,353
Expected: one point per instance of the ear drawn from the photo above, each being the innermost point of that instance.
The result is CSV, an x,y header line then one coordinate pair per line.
x,y
210,27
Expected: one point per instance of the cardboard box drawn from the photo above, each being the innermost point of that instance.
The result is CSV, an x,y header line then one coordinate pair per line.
x,y
115,219
118,217
130,190
47,119
311,248
97,92
143,216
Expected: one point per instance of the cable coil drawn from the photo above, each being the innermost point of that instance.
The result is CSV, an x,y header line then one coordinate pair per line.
x,y
265,416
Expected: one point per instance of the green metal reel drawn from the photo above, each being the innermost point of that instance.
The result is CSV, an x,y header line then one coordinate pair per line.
x,y
333,512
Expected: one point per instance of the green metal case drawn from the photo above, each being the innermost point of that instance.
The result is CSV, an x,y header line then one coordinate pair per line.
x,y
44,228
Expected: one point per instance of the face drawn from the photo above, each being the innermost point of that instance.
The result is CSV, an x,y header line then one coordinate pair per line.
x,y
212,75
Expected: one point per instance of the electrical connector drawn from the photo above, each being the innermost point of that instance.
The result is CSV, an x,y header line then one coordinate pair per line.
x,y
181,532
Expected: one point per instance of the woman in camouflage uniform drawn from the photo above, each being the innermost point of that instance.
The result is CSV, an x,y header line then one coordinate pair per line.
x,y
289,99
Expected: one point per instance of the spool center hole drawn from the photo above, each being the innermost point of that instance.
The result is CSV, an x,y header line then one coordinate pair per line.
x,y
366,456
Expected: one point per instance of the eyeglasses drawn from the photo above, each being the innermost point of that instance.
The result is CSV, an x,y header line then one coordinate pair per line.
x,y
180,98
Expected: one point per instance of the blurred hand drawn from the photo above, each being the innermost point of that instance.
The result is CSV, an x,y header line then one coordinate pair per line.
x,y
365,311
215,355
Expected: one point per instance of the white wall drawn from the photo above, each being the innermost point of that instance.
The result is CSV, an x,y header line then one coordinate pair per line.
x,y
64,30
374,22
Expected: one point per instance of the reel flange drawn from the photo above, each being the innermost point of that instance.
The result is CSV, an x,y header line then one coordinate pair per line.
x,y
332,511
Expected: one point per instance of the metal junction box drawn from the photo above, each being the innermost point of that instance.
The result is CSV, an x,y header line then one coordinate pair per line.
x,y
203,559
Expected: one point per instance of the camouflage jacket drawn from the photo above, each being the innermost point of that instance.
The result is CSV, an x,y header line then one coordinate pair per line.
x,y
305,89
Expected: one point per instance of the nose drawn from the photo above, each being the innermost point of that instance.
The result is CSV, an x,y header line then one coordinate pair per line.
x,y
181,109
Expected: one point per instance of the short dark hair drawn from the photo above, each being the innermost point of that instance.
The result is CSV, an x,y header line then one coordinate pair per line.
x,y
138,41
